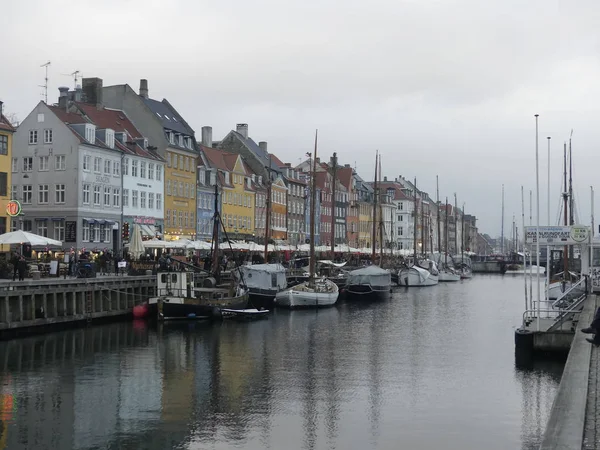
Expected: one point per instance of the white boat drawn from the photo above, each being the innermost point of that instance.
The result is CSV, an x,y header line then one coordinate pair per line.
x,y
369,283
416,276
316,294
558,288
466,272
448,275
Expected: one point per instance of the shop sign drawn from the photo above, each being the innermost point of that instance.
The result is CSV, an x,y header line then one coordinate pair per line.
x,y
13,208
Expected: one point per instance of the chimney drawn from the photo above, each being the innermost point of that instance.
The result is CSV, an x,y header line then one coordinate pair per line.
x,y
1,105
78,93
63,96
144,88
384,178
207,137
242,128
92,88
263,146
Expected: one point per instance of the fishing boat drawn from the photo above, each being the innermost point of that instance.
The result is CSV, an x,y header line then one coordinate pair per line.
x,y
313,293
263,282
371,282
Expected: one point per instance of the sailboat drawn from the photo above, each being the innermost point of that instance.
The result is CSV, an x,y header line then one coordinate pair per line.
x,y
371,282
565,280
178,297
415,274
314,293
464,267
446,273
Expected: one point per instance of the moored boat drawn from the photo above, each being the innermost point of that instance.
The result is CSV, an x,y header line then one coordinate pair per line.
x,y
416,275
309,294
369,283
263,281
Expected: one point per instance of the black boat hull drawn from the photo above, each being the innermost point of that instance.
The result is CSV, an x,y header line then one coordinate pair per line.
x,y
366,292
262,300
195,309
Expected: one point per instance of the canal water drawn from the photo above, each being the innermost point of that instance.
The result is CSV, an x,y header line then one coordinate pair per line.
x,y
431,368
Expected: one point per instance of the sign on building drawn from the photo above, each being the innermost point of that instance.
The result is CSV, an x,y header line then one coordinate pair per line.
x,y
558,235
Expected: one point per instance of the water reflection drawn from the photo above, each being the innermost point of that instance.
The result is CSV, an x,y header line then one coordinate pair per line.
x,y
430,368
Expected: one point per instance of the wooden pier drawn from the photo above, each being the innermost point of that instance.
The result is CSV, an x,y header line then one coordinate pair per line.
x,y
40,305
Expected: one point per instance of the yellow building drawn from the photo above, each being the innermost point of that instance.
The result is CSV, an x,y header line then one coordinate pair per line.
x,y
278,209
365,224
237,193
6,132
180,194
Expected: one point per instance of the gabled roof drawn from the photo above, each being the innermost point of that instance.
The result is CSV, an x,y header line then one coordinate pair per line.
x,y
344,174
67,117
170,118
5,124
398,193
220,159
109,118
267,159
276,160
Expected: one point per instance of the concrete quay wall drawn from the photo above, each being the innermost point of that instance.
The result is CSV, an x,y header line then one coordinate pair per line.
x,y
41,305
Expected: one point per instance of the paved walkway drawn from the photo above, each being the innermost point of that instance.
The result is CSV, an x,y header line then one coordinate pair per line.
x,y
591,432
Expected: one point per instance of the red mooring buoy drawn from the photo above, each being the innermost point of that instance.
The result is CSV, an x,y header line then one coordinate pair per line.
x,y
140,311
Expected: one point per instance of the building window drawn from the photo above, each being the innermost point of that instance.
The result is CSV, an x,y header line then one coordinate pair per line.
x,y
97,164
180,191
14,191
185,219
143,169
86,231
107,166
97,195
47,136
151,171
86,194
186,192
187,164
159,201
59,193
143,199
33,137
110,138
43,164
125,197
150,200
105,230
134,199
168,218
192,191
180,162
59,162
158,173
116,197
86,163
126,166
27,226
3,145
107,196
42,194
90,133
116,169
134,168
15,165
59,230
3,184
168,159
94,232
174,161
180,219
42,228
27,164
168,187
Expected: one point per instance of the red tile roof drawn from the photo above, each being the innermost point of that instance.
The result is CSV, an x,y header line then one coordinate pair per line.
x,y
5,124
216,158
276,160
67,117
344,174
109,118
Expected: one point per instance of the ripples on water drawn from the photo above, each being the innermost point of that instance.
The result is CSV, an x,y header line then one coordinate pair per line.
x,y
431,368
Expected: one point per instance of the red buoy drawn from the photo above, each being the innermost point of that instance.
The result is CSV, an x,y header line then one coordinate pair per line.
x,y
140,311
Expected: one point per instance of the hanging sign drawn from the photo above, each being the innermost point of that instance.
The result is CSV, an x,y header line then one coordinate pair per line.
x,y
13,208
559,235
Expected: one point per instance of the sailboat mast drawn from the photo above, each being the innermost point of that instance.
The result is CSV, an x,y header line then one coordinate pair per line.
x,y
446,233
215,236
268,212
502,227
415,235
571,198
455,225
381,227
313,201
565,212
333,201
374,231
439,233
462,235
423,235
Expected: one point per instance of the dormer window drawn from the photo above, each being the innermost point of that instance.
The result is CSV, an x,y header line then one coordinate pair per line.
x,y
110,138
260,179
171,137
90,133
226,177
180,140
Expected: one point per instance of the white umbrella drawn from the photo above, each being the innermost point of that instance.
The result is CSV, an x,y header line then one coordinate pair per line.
x,y
136,246
23,237
157,244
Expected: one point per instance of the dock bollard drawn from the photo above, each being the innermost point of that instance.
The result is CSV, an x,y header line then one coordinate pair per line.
x,y
523,340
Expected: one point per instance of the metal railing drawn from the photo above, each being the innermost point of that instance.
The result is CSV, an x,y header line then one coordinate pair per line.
x,y
567,297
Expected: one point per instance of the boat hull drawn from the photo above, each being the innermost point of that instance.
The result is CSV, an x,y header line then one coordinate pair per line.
x,y
558,288
411,277
447,277
181,308
300,296
262,299
367,292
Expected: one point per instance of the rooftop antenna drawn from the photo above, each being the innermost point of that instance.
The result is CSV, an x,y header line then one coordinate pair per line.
x,y
75,76
45,85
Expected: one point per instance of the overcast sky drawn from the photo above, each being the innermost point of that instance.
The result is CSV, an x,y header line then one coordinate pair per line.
x,y
447,87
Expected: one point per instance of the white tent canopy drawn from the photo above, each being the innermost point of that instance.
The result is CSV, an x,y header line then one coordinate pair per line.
x,y
23,237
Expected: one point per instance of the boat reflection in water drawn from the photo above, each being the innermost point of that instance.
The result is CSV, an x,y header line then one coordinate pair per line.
x,y
383,375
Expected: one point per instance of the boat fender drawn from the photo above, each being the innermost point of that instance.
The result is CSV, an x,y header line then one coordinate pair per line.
x,y
216,314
